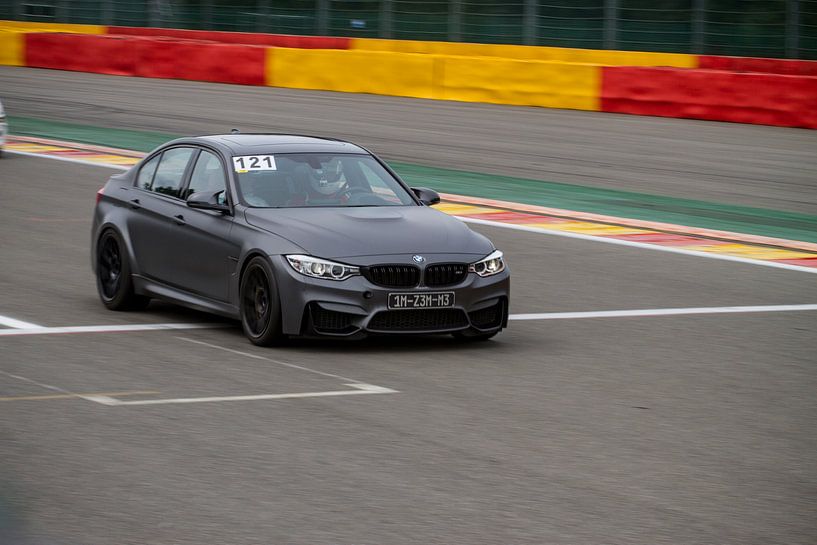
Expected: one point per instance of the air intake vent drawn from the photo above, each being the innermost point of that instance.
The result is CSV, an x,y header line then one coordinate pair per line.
x,y
419,320
488,318
331,322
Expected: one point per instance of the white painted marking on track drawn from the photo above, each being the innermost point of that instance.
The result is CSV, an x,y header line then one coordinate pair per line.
x,y
17,324
68,160
359,389
642,245
40,384
46,386
277,362
660,312
115,328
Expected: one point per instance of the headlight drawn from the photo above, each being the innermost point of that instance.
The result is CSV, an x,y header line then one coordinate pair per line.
x,y
491,265
321,268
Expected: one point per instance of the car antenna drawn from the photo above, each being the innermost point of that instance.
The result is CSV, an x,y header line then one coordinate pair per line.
x,y
235,131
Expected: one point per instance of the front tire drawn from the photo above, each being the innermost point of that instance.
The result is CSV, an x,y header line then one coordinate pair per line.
x,y
260,305
113,275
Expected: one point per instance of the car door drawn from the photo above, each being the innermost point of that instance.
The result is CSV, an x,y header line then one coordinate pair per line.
x,y
200,244
155,204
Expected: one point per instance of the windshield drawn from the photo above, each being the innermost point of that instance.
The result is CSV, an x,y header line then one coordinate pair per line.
x,y
292,180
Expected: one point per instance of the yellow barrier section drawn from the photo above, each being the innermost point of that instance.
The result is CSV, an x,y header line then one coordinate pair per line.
x,y
521,83
25,26
526,52
11,48
380,73
469,79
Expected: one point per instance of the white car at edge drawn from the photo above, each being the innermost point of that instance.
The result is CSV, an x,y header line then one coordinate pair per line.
x,y
4,128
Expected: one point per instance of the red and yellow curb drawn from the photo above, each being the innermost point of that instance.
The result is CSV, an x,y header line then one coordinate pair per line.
x,y
73,151
553,220
680,237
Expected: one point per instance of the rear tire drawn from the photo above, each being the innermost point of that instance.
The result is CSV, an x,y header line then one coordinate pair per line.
x,y
113,275
260,305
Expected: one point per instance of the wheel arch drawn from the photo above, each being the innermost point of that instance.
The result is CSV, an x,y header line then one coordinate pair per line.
x,y
120,233
249,256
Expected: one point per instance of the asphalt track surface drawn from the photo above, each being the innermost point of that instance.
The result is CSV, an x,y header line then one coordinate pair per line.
x,y
766,167
673,429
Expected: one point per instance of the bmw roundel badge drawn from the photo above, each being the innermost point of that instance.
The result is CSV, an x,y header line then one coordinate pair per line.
x,y
418,258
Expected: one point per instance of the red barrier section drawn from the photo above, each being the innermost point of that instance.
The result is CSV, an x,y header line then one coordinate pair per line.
x,y
763,99
766,66
246,38
200,61
80,52
148,57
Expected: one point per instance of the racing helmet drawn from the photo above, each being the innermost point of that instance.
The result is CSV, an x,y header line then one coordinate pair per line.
x,y
328,179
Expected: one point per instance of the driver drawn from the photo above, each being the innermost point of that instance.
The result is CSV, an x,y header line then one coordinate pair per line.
x,y
322,184
328,180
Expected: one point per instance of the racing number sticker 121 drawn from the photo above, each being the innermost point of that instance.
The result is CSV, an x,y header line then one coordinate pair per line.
x,y
245,163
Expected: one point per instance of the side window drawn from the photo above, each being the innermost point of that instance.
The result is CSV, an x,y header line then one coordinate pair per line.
x,y
379,186
169,174
208,175
145,177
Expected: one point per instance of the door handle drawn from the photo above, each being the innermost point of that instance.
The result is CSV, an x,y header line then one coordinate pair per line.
x,y
134,203
179,219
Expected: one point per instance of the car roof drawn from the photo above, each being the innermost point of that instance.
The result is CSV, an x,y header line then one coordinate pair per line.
x,y
255,144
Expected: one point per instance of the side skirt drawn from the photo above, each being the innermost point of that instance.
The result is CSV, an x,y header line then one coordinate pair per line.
x,y
158,290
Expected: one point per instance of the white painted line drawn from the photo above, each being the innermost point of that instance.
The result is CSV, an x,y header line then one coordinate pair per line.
x,y
277,362
68,159
46,386
18,324
642,245
36,330
359,389
40,384
660,312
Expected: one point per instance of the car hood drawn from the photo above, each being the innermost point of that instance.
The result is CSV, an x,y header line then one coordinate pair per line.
x,y
352,232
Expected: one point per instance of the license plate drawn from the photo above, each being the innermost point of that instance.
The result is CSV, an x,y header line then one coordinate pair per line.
x,y
442,299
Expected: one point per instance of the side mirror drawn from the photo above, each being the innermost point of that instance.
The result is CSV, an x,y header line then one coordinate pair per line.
x,y
207,200
427,196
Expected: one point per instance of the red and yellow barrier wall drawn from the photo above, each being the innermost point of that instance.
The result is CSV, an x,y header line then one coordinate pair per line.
x,y
529,53
761,91
245,38
147,57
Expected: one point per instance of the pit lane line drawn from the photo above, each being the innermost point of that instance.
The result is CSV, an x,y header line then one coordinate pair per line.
x,y
19,324
662,312
33,329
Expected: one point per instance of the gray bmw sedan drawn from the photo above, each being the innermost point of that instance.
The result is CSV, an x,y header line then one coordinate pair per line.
x,y
294,236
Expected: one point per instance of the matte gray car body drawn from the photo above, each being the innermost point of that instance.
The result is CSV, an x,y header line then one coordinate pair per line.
x,y
196,257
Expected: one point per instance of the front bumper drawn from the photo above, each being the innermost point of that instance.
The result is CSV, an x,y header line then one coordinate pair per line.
x,y
356,307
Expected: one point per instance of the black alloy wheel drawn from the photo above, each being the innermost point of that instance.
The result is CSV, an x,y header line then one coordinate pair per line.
x,y
260,306
113,275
